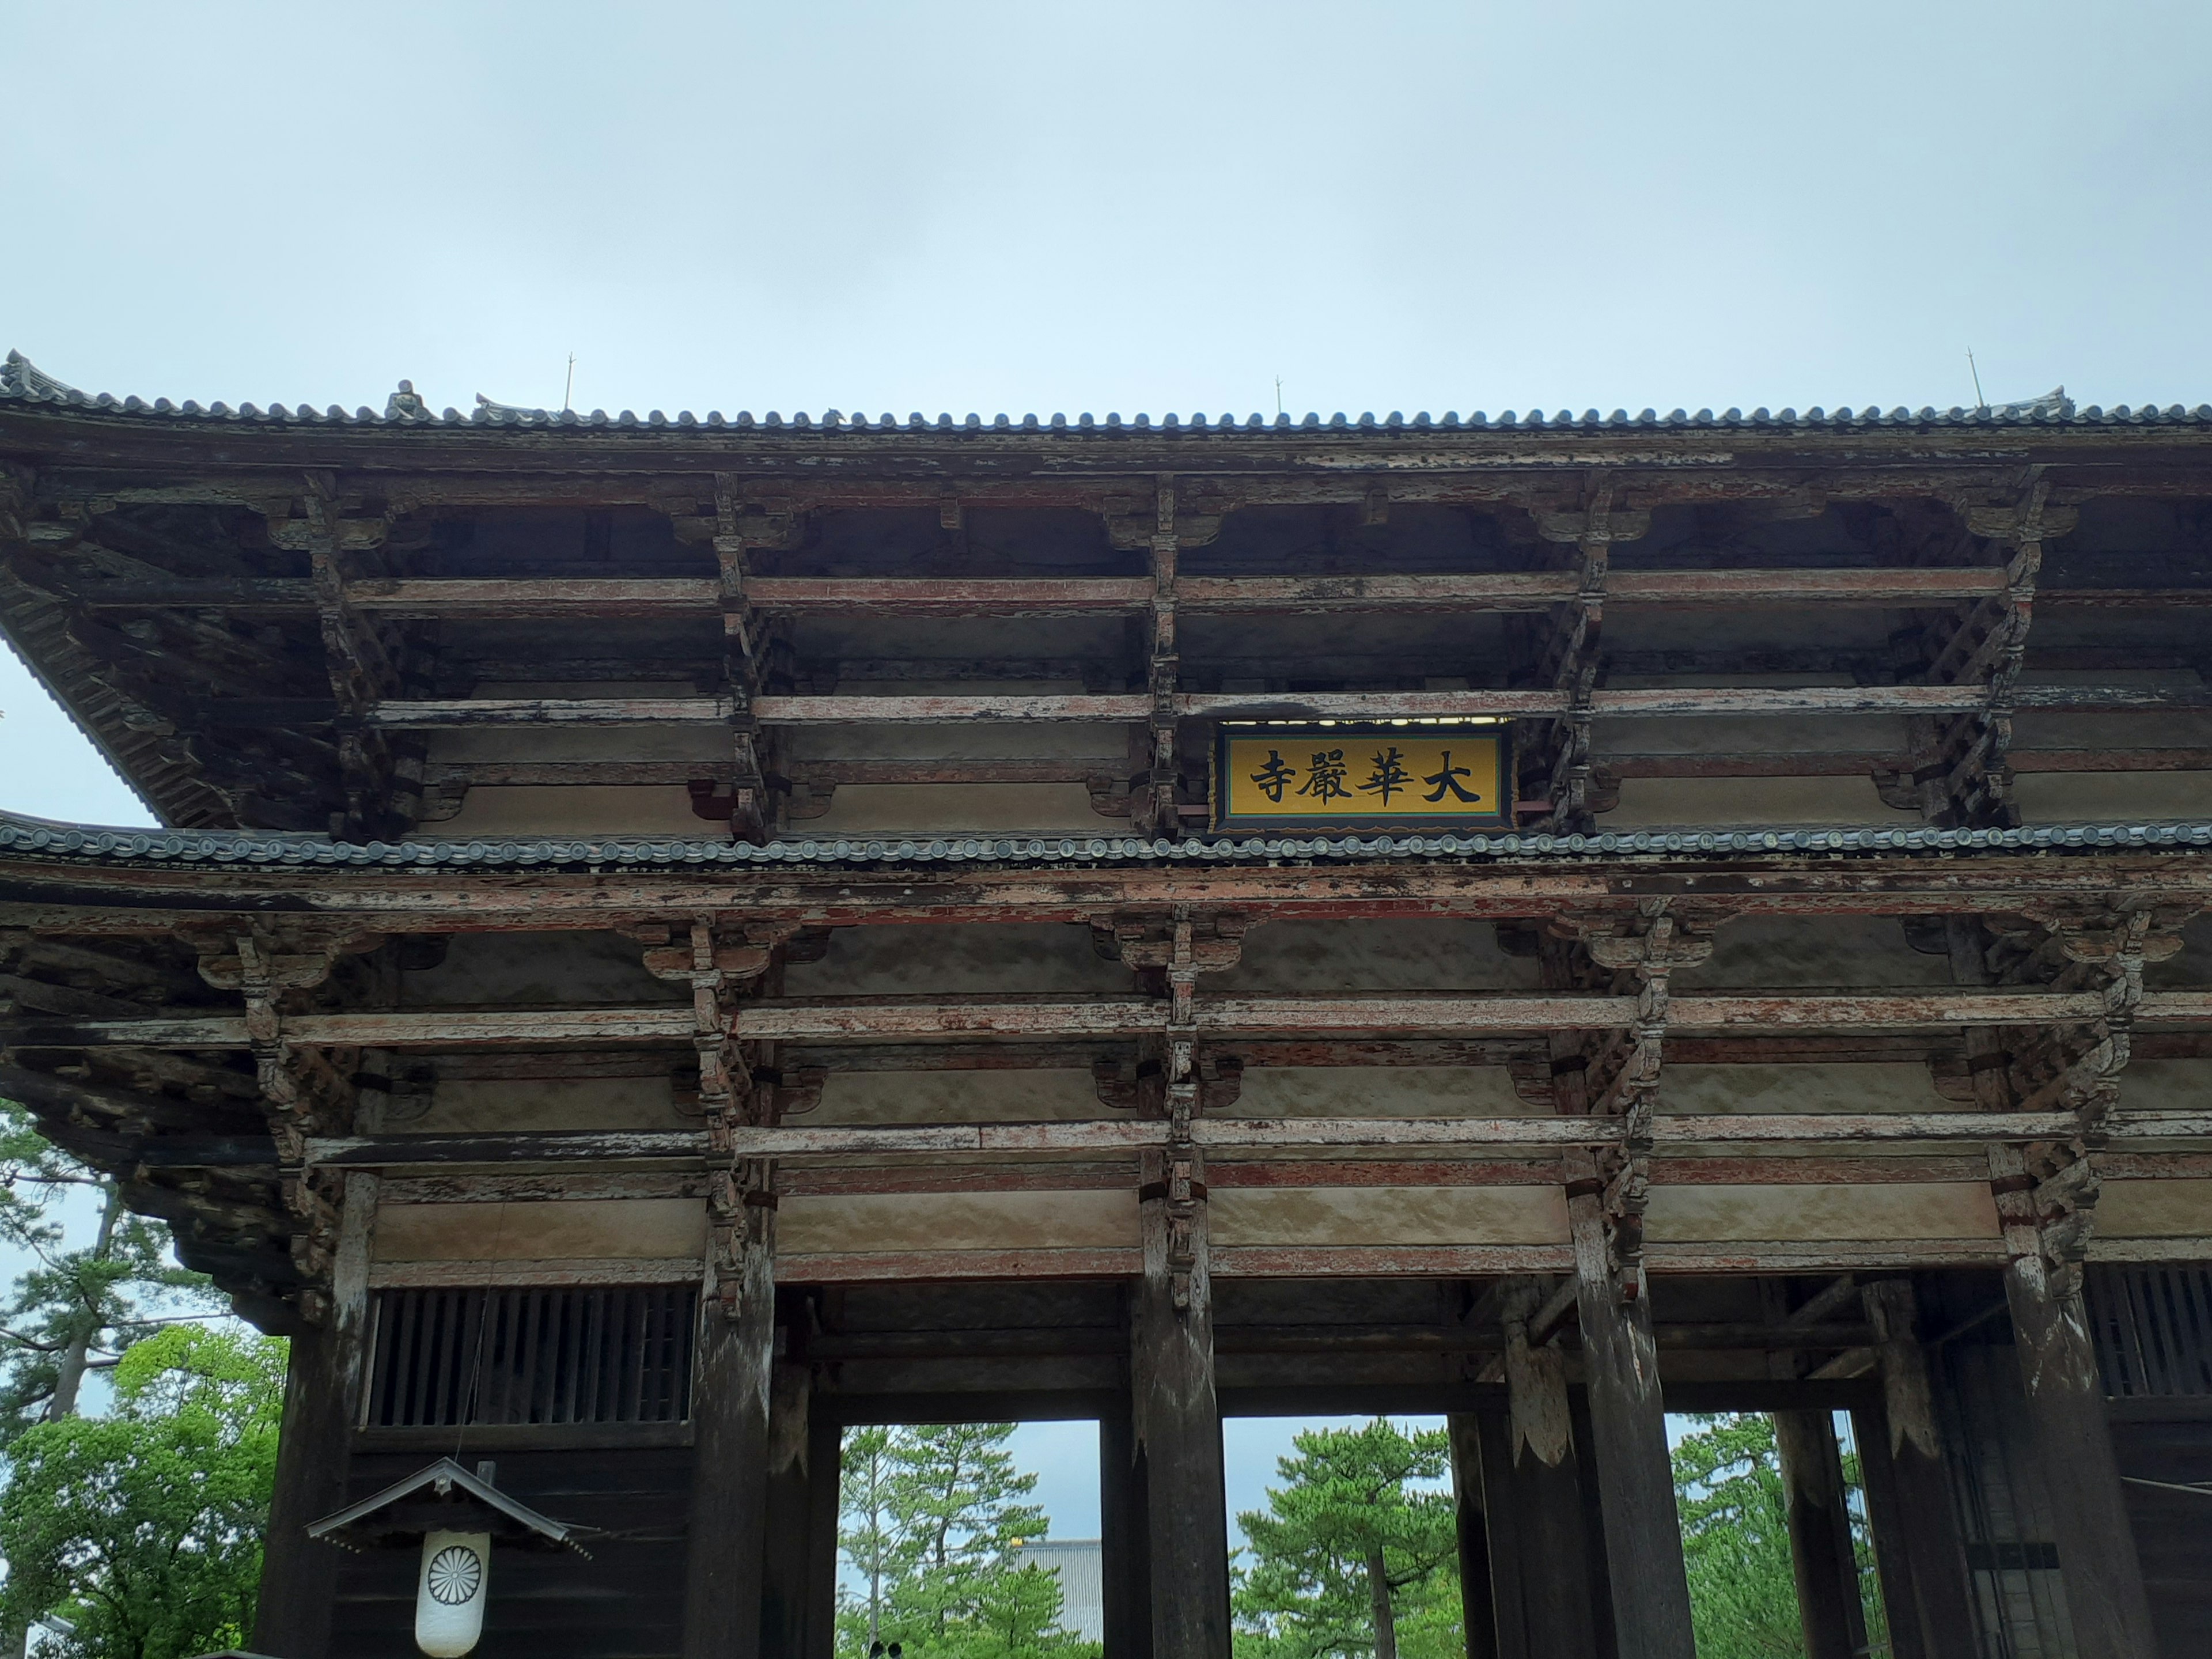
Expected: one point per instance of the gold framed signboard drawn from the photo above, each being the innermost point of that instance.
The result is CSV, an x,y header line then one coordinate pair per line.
x,y
1367,776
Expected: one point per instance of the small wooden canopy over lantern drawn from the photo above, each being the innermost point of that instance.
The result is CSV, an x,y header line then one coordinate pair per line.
x,y
454,1517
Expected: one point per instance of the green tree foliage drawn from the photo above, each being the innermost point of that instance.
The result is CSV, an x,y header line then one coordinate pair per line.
x,y
78,1308
1357,1553
143,1527
1735,1540
931,1519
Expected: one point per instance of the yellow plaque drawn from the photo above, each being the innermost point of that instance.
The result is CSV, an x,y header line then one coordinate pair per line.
x,y
1382,775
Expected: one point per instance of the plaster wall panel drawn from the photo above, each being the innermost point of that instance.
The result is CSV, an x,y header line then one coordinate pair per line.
x,y
586,689
1750,734
2055,728
962,1096
1814,953
2105,797
951,809
1697,1090
2154,1209
899,1222
1386,1215
1373,956
512,1105
578,809
1379,1091
2166,1085
1654,803
1813,1214
1047,956
629,1228
548,968
968,740
708,745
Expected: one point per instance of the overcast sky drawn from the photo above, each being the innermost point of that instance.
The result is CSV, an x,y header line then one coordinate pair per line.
x,y
1133,207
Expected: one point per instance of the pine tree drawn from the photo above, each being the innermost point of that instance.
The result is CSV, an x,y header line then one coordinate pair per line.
x,y
954,1485
869,1531
1735,1540
931,1522
1352,1538
77,1308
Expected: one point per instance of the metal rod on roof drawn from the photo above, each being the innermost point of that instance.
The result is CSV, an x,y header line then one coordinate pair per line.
x,y
569,389
1980,401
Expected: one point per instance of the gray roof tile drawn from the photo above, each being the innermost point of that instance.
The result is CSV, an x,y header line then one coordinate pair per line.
x,y
21,382
29,837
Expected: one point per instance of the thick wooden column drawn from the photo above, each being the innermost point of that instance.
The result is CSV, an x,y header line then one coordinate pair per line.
x,y
1893,1560
1628,1424
825,1455
322,1402
730,1433
1540,1588
1177,1419
1820,1555
1124,1526
1478,1600
2097,1558
798,1569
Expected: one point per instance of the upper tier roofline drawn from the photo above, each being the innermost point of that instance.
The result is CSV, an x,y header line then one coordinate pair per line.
x,y
23,384
23,836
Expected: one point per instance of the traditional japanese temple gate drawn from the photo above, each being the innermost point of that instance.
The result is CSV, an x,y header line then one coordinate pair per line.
x,y
677,938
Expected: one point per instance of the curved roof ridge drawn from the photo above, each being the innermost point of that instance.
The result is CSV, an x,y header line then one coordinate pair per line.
x,y
22,381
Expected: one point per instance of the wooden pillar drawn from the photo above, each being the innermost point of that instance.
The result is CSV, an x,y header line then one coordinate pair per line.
x,y
825,1453
1538,1566
1926,1589
1477,1597
730,1435
1124,1526
1893,1561
2097,1559
1178,1423
323,1385
793,1594
1636,1479
1820,1555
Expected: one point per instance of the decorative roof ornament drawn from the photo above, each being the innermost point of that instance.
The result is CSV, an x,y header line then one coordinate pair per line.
x,y
27,380
454,1517
403,403
488,409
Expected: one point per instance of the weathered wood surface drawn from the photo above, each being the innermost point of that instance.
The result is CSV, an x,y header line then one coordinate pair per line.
x,y
948,709
832,1019
1222,1135
726,1538
1628,1422
1821,1558
1505,591
90,900
2106,1596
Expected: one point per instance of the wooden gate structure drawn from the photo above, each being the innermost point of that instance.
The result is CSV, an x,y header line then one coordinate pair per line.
x,y
672,937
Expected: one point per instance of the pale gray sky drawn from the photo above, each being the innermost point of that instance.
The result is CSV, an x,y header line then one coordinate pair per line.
x,y
1141,207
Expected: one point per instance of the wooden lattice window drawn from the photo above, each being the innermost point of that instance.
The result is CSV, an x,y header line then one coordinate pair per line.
x,y
525,1354
2154,1329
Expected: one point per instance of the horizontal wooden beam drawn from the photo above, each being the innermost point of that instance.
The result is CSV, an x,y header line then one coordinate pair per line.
x,y
958,709
866,1019
1505,591
1232,1134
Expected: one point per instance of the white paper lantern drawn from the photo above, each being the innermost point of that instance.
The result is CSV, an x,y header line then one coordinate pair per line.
x,y
449,1597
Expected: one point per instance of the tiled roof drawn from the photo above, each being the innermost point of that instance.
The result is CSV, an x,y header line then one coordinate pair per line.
x,y
32,838
22,382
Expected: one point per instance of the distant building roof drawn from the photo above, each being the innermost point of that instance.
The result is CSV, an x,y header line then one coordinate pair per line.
x,y
1082,1582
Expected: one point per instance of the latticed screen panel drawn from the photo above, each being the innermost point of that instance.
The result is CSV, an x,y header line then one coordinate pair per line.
x,y
529,1354
2154,1329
